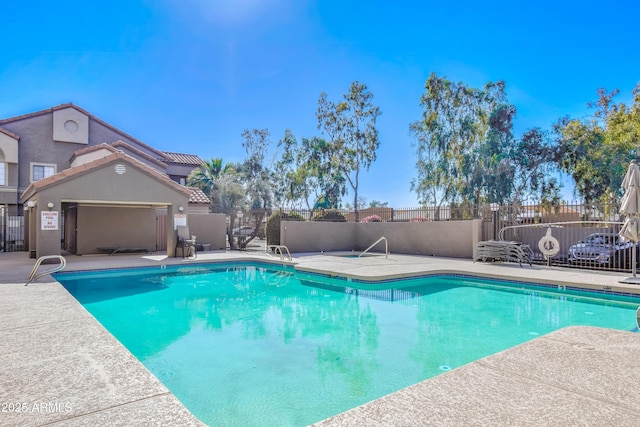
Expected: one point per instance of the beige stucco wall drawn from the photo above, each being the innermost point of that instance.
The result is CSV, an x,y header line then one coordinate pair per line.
x,y
9,156
315,236
455,239
89,157
116,227
209,228
79,135
104,186
9,148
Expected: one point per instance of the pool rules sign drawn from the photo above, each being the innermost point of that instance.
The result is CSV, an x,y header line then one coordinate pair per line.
x,y
49,220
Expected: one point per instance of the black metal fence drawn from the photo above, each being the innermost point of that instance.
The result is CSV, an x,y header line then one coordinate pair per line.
x,y
11,230
528,213
587,234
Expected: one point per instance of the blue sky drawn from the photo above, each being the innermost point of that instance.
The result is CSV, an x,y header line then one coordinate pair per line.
x,y
191,75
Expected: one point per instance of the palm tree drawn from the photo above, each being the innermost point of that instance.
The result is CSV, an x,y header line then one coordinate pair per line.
x,y
206,179
222,183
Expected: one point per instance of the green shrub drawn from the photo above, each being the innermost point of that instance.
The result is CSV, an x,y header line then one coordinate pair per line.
x,y
329,215
273,225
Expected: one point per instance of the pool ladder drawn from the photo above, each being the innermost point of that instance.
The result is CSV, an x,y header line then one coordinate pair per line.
x,y
34,273
277,249
386,247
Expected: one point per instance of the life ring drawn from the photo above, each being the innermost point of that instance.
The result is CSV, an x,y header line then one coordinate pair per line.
x,y
549,245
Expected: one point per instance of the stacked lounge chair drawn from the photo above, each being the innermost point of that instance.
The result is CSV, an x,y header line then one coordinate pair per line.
x,y
500,250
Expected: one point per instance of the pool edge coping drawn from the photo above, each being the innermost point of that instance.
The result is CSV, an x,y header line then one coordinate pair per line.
x,y
252,259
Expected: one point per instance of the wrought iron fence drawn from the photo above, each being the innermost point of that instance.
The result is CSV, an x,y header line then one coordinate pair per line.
x,y
11,230
525,213
386,214
587,234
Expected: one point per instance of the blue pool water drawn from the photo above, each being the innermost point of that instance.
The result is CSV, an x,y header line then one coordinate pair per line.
x,y
244,344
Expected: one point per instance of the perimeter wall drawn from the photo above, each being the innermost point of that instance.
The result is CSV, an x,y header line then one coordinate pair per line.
x,y
455,239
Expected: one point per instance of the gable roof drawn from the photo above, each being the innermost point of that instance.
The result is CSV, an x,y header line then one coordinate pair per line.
x,y
85,168
91,116
11,134
184,159
115,147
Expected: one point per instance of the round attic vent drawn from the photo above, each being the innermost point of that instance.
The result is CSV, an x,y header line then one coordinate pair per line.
x,y
70,126
120,169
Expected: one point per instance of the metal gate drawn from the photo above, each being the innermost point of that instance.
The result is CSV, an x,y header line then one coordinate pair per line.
x,y
161,231
11,230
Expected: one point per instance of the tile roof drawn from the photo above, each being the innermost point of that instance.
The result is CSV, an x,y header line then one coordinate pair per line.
x,y
198,196
90,166
185,159
11,134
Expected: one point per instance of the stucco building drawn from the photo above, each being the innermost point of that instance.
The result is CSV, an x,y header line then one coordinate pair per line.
x,y
72,182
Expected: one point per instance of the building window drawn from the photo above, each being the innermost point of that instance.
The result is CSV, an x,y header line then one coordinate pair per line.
x,y
39,172
183,181
3,173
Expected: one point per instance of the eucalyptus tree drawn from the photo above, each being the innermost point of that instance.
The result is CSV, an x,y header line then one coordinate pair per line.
x,y
232,197
467,151
596,150
323,165
309,172
535,160
350,125
293,181
452,163
378,204
256,173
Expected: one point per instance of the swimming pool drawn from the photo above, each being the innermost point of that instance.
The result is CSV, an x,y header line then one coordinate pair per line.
x,y
258,344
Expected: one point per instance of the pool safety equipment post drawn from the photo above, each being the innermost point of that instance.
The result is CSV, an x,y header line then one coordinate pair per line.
x,y
495,208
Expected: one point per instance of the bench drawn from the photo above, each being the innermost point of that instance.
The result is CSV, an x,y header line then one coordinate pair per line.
x,y
113,251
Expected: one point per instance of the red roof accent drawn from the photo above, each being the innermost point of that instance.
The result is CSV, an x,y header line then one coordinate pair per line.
x,y
185,159
198,196
11,134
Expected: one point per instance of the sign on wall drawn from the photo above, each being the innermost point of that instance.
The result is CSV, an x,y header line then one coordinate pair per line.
x,y
180,219
49,220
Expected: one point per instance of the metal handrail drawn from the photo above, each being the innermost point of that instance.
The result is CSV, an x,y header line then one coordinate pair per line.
x,y
386,247
33,276
278,250
552,224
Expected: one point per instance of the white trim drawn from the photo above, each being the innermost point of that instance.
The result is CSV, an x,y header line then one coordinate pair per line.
x,y
32,164
3,174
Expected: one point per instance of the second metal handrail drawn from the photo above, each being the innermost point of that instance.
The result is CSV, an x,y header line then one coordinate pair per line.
x,y
553,225
34,273
278,251
386,247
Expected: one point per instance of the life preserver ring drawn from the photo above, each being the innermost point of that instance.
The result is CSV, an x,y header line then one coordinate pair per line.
x,y
549,245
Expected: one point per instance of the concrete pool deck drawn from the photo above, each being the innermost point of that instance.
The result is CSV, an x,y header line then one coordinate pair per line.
x,y
63,368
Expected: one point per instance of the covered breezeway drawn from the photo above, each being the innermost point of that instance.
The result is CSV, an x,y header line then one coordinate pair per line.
x,y
107,203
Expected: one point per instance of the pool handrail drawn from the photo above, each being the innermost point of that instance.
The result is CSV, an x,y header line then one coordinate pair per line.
x,y
386,247
277,249
33,276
